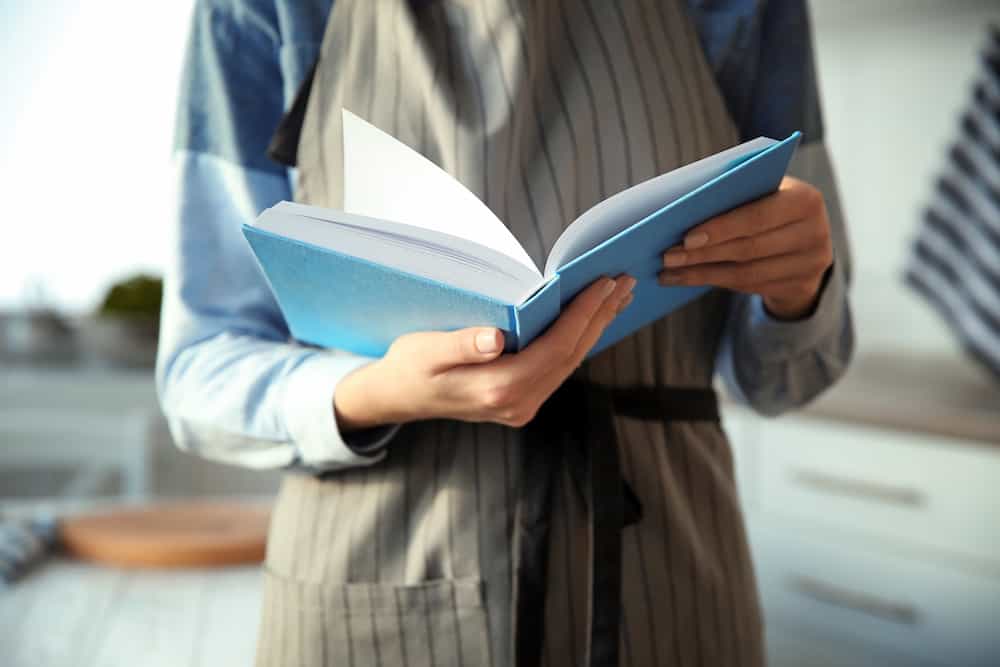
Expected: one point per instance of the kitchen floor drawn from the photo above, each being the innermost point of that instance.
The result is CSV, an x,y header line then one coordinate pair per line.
x,y
70,614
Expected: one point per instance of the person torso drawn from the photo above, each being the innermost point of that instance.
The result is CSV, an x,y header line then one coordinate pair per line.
x,y
542,109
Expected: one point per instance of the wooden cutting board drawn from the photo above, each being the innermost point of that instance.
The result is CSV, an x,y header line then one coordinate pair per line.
x,y
175,534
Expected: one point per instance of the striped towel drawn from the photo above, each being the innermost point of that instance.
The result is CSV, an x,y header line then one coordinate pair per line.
x,y
955,261
23,543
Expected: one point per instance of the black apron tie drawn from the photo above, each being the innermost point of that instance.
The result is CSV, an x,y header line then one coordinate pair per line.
x,y
575,428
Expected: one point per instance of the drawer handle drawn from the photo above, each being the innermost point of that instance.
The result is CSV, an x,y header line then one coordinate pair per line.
x,y
859,488
897,612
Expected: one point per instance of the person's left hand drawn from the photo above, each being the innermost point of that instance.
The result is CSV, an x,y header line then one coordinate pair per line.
x,y
778,247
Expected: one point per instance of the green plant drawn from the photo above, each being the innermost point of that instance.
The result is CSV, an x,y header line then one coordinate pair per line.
x,y
138,296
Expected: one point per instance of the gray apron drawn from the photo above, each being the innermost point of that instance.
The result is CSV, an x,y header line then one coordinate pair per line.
x,y
542,109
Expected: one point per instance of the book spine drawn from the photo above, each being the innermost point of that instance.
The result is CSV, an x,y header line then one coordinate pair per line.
x,y
537,313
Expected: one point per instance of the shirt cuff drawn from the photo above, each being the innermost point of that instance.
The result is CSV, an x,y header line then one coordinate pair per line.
x,y
772,339
312,422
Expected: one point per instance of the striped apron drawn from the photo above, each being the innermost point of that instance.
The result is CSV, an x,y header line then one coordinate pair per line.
x,y
542,109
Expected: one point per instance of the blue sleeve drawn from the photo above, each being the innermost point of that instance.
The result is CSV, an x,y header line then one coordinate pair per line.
x,y
232,383
762,57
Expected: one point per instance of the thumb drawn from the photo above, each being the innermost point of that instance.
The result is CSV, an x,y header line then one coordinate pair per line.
x,y
474,345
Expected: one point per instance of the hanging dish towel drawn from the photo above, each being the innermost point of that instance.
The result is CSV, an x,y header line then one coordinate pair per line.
x,y
23,542
955,261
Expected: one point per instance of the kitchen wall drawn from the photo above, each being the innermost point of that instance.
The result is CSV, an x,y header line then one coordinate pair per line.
x,y
894,75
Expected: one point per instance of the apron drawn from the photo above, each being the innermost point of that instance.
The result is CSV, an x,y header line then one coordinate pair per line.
x,y
542,109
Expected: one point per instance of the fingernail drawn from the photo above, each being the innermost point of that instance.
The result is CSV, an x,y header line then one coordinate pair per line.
x,y
675,258
629,283
486,341
609,287
696,240
668,278
625,302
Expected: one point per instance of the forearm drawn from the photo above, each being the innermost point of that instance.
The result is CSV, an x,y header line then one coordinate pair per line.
x,y
361,402
254,402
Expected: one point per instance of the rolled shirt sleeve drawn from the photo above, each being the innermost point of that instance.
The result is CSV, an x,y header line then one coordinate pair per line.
x,y
233,384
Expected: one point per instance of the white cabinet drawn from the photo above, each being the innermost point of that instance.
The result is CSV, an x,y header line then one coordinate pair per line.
x,y
935,492
872,545
95,425
919,608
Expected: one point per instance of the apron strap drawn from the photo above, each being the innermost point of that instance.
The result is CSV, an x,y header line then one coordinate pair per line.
x,y
284,146
575,429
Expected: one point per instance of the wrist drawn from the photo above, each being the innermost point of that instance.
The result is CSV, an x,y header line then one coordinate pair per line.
x,y
793,308
360,400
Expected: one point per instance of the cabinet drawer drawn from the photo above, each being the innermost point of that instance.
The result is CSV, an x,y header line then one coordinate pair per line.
x,y
923,490
929,612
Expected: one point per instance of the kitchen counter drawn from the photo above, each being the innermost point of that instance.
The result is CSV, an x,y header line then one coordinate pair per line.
x,y
71,613
74,613
943,396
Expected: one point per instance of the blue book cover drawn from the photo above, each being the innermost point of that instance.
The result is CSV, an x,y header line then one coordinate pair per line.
x,y
334,296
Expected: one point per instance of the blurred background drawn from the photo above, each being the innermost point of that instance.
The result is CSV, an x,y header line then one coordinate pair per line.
x,y
872,514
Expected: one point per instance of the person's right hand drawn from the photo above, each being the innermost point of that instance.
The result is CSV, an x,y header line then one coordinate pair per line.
x,y
462,374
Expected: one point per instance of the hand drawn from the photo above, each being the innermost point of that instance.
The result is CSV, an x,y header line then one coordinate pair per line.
x,y
462,374
778,247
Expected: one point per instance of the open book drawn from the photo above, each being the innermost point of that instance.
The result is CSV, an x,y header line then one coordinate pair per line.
x,y
415,250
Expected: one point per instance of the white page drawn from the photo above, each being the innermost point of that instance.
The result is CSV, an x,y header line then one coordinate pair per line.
x,y
628,207
446,259
384,178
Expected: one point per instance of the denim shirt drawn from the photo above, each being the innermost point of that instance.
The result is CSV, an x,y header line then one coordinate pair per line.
x,y
234,385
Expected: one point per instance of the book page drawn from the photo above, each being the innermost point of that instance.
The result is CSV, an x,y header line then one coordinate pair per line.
x,y
385,178
621,211
445,259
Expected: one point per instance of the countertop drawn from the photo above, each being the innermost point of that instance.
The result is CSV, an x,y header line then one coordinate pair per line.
x,y
70,612
945,395
74,614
